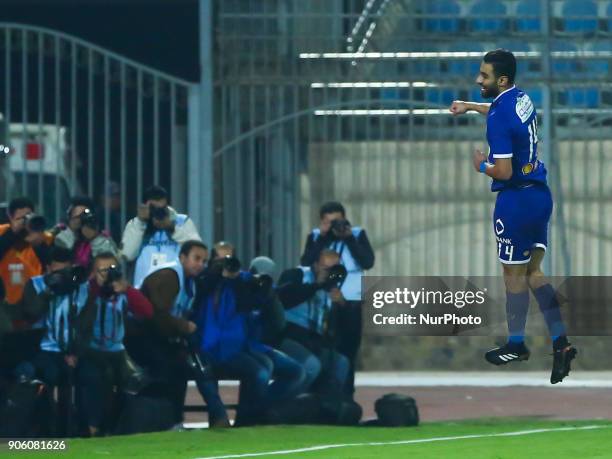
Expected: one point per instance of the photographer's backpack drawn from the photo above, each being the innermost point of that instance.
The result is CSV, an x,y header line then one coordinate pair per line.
x,y
341,411
142,413
396,410
316,409
25,411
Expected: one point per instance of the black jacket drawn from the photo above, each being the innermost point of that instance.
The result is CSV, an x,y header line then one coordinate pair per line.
x,y
360,248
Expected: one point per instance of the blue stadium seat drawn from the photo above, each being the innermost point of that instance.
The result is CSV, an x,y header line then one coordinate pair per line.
x,y
564,66
535,94
599,67
466,67
488,16
423,66
449,12
582,97
526,12
392,94
440,96
579,16
609,16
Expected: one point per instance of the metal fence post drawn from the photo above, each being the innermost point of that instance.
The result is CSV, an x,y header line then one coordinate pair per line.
x,y
200,201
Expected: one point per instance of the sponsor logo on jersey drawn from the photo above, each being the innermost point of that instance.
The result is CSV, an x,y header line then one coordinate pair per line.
x,y
524,107
499,226
527,169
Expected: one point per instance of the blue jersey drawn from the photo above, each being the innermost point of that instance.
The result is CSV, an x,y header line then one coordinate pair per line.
x,y
512,133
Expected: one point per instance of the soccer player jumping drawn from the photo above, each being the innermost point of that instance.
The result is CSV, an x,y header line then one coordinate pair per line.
x,y
522,209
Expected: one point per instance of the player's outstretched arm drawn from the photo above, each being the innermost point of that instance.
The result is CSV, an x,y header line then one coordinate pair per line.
x,y
459,107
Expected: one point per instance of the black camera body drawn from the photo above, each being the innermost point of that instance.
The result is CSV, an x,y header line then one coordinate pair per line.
x,y
261,284
229,263
158,213
114,274
340,225
34,222
193,358
66,281
335,277
89,219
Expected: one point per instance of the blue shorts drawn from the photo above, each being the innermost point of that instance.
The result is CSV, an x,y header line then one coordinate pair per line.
x,y
520,222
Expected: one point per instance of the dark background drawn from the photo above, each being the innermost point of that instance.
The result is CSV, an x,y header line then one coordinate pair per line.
x,y
159,33
162,34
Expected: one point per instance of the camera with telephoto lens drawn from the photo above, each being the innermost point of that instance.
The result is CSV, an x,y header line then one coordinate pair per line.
x,y
340,225
65,281
231,264
113,274
158,213
34,223
335,277
88,218
261,284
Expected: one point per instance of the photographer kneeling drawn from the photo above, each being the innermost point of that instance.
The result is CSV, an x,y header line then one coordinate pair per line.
x,y
228,301
82,235
164,345
105,363
311,298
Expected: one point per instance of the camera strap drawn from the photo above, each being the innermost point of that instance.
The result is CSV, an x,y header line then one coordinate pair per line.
x,y
217,297
72,313
103,305
338,246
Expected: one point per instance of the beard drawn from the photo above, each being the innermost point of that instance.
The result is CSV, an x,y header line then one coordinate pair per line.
x,y
489,93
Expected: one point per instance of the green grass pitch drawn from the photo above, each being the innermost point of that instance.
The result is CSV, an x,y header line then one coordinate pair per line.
x,y
353,442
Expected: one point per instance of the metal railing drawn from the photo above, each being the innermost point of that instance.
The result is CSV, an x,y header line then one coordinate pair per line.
x,y
79,117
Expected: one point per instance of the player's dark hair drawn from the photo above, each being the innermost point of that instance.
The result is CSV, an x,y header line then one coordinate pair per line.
x,y
188,245
330,208
503,62
20,203
155,193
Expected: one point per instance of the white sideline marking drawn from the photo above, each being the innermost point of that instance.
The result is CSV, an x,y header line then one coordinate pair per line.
x,y
585,379
407,442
